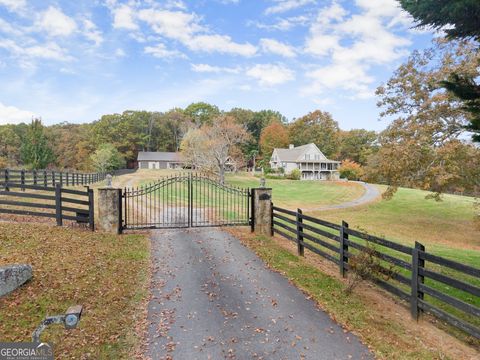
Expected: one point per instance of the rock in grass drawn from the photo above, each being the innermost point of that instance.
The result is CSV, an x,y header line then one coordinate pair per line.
x,y
13,276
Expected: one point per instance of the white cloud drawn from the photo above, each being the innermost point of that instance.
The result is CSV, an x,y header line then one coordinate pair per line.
x,y
91,32
176,25
186,28
51,51
161,51
13,115
119,53
348,76
175,4
353,43
286,5
205,68
56,23
282,24
123,18
276,47
14,5
220,44
8,28
270,74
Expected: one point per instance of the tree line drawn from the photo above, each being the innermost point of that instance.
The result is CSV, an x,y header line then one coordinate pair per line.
x,y
79,146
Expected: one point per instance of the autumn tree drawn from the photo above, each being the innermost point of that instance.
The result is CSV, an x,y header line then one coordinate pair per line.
x,y
357,145
317,127
273,136
350,170
459,19
210,147
420,148
35,150
65,138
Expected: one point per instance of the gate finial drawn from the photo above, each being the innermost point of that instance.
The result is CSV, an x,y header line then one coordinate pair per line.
x,y
262,182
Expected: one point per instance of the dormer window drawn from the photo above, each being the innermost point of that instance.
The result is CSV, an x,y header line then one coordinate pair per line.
x,y
307,156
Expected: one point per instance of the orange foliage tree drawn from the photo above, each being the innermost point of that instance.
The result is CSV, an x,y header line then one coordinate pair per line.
x,y
351,170
273,136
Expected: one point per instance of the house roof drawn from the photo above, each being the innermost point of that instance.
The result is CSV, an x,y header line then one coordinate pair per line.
x,y
159,156
294,155
291,154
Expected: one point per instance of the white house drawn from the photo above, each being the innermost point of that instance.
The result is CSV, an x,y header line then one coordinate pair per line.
x,y
311,162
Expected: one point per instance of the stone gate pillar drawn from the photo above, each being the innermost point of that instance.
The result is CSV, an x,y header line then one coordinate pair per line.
x,y
262,211
110,210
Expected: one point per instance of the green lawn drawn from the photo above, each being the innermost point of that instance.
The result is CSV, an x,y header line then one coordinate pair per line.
x,y
304,194
409,217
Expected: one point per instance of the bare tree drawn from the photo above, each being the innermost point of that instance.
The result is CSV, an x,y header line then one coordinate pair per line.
x,y
210,147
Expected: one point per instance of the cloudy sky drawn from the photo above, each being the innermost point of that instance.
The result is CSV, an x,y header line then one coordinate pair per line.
x,y
76,60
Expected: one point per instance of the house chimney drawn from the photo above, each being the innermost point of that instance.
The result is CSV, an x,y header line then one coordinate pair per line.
x,y
291,146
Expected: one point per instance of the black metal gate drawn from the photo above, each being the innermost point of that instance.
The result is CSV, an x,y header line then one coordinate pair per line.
x,y
185,200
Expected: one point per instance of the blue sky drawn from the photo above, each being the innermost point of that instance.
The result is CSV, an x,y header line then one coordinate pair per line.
x,y
76,60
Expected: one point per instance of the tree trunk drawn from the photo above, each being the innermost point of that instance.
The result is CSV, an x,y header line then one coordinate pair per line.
x,y
222,174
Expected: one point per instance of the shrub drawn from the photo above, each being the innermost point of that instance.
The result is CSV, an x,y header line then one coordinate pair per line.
x,y
366,266
295,174
351,170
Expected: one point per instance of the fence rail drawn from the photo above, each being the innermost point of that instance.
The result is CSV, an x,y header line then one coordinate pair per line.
x,y
48,178
444,288
56,202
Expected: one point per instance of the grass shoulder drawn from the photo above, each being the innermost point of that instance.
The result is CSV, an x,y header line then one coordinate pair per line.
x,y
107,274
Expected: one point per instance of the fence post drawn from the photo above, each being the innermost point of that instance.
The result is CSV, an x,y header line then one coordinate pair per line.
x,y
53,179
272,229
416,294
91,209
343,248
58,204
34,177
252,210
120,212
61,179
22,179
300,248
7,178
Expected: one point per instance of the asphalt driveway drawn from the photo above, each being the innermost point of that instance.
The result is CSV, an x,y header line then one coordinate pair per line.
x,y
212,298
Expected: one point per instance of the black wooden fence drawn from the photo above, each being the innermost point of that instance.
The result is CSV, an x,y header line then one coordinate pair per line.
x,y
447,289
47,178
47,201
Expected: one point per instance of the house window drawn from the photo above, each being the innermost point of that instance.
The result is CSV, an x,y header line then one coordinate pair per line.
x,y
307,156
317,156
